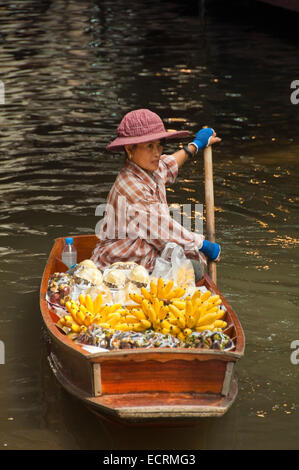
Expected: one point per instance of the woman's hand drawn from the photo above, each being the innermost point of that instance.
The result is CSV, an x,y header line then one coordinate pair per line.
x,y
205,137
213,139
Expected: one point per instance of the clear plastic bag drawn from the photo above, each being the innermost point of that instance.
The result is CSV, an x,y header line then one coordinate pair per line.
x,y
173,264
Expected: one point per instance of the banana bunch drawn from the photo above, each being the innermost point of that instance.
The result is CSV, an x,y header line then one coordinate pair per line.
x,y
162,309
166,292
86,312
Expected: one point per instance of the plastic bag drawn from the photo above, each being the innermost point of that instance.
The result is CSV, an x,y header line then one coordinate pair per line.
x,y
173,264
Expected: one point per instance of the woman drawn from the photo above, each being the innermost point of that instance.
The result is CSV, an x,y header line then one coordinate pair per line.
x,y
137,223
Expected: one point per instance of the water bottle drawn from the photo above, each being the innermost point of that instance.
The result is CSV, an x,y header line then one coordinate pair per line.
x,y
69,253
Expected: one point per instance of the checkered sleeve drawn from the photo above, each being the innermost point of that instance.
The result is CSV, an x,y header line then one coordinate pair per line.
x,y
168,169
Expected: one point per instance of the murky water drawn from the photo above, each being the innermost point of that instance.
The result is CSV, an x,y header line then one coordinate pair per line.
x,y
71,70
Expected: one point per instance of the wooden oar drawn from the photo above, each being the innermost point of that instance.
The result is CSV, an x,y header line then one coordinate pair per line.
x,y
209,199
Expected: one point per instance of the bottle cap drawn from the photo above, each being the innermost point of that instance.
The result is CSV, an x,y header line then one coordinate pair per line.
x,y
69,241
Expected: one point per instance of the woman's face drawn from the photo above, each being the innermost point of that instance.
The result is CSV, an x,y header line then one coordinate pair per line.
x,y
146,155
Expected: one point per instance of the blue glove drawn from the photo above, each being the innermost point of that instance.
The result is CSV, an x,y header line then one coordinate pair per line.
x,y
210,249
202,138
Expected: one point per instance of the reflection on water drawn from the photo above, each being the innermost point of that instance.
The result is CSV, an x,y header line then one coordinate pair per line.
x,y
71,70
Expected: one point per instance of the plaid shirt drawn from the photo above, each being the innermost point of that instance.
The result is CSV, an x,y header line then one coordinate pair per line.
x,y
137,223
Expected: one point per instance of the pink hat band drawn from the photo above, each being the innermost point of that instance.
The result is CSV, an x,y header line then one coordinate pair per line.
x,y
142,125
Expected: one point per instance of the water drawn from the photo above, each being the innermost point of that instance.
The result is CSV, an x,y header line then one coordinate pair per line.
x,y
71,70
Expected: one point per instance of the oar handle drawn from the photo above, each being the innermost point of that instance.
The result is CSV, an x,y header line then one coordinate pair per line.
x,y
209,199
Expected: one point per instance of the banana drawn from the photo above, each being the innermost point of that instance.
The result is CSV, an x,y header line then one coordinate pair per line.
x,y
137,298
80,317
153,288
145,306
166,325
115,320
220,324
156,306
88,319
187,331
130,319
68,305
207,319
152,314
180,304
146,323
82,300
146,294
174,310
160,288
123,327
181,336
204,327
75,328
168,288
139,314
174,330
181,322
89,303
205,296
97,303
163,312
165,331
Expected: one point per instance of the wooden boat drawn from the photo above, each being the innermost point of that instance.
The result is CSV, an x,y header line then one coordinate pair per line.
x,y
142,385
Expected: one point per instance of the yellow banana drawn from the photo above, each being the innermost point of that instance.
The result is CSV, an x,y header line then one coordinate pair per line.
x,y
68,305
145,306
130,319
205,296
165,331
75,328
139,314
68,320
181,336
153,288
220,324
80,317
146,323
180,304
123,327
163,312
137,298
204,327
167,289
181,321
97,303
165,324
174,310
152,314
146,294
187,331
82,299
104,325
174,329
207,319
114,320
160,288
89,303
88,319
